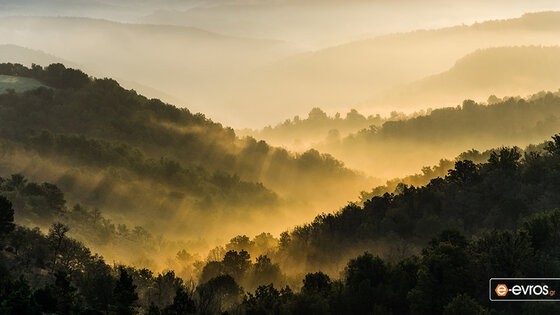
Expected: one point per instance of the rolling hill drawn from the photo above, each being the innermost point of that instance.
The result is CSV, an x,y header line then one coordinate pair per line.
x,y
150,163
301,134
493,71
400,147
26,56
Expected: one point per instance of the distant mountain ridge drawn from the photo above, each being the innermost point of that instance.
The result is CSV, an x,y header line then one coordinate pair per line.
x,y
26,56
492,71
352,75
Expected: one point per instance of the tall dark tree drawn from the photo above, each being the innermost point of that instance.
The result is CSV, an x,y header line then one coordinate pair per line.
x,y
506,159
183,303
58,240
218,294
125,297
265,272
316,283
265,301
553,146
463,304
6,216
464,173
15,298
66,294
444,273
236,263
366,277
60,297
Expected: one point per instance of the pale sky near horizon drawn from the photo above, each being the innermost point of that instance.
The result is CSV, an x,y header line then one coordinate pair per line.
x,y
301,28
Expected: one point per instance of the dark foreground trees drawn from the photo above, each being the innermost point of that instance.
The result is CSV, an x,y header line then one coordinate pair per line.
x,y
472,198
450,276
504,217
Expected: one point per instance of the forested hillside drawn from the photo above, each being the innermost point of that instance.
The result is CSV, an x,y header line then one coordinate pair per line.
x,y
144,162
400,147
399,144
137,180
472,198
465,229
303,133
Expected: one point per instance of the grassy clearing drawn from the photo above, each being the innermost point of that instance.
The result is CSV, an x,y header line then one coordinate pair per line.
x,y
19,84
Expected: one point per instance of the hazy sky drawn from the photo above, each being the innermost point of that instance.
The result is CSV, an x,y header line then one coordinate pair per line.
x,y
218,68
309,23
